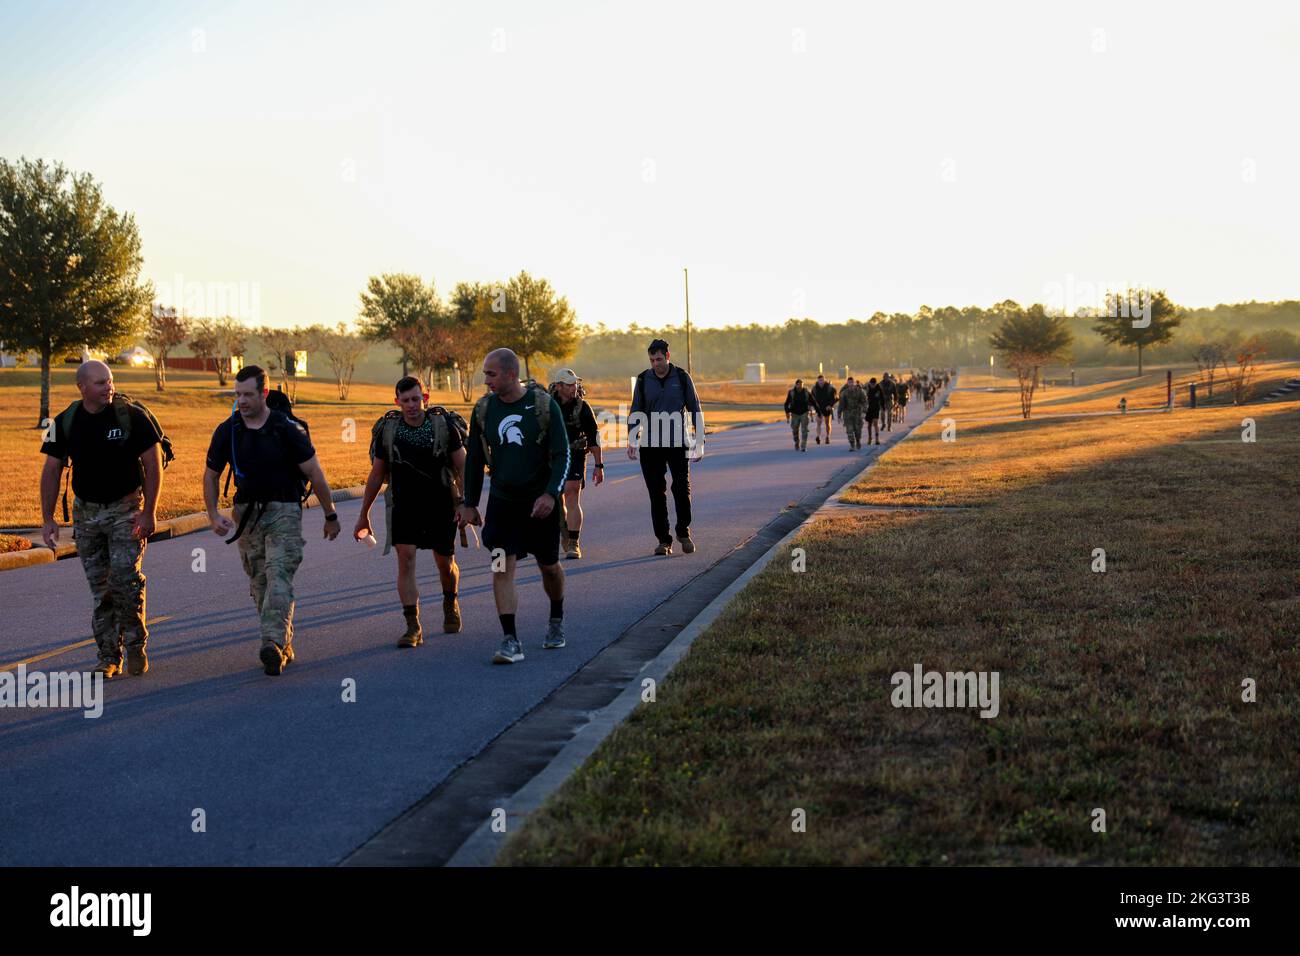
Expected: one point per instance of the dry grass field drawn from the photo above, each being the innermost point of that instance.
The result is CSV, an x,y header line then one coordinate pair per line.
x,y
1120,689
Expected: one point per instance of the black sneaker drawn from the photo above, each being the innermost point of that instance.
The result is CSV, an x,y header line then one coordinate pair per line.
x,y
688,546
272,658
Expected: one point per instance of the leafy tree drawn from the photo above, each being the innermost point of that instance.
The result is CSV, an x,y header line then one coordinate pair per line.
x,y
166,330
535,323
1128,324
1242,379
219,340
69,266
395,301
277,345
342,348
1027,340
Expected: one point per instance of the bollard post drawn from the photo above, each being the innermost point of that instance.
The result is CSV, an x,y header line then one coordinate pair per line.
x,y
1192,387
1169,388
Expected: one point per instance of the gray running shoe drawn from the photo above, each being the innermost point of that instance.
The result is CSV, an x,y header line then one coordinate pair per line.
x,y
510,651
688,545
554,635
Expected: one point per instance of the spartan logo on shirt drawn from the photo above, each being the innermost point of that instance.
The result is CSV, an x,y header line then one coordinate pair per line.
x,y
509,432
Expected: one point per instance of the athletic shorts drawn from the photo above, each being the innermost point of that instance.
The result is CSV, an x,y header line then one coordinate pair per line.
x,y
577,466
429,525
509,525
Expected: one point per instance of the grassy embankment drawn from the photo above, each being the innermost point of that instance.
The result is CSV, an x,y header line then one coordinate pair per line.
x,y
1120,690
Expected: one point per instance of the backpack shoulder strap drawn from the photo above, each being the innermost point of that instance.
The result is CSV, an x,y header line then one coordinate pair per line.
x,y
479,416
440,429
122,408
65,420
542,406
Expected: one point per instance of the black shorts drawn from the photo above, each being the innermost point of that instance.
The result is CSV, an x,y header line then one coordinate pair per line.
x,y
509,525
430,525
577,466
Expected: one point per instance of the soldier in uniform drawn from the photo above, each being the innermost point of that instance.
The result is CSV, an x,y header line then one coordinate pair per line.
x,y
875,401
853,404
116,477
584,439
269,454
798,402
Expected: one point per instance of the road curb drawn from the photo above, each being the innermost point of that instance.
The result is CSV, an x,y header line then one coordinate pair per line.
x,y
483,845
171,528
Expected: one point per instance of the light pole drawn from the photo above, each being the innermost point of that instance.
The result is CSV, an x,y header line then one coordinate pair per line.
x,y
687,279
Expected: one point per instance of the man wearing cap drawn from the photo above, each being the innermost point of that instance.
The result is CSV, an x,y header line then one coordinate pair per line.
x,y
580,424
663,398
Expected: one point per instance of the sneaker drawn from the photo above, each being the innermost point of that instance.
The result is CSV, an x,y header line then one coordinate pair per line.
x,y
575,551
509,652
108,669
272,658
554,635
137,661
819,439
450,616
688,545
662,548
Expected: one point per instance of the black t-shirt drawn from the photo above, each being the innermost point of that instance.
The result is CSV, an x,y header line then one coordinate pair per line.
x,y
580,422
418,471
266,459
105,463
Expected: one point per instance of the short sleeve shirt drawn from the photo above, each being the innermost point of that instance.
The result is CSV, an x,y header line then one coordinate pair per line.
x,y
265,460
105,461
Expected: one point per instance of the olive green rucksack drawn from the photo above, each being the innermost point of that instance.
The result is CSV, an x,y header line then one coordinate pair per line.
x,y
383,432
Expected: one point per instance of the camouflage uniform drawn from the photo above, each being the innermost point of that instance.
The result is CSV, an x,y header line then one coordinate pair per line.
x,y
111,556
271,550
799,427
853,404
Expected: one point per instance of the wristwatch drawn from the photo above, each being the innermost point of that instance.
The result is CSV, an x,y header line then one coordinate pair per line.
x,y
332,516
600,465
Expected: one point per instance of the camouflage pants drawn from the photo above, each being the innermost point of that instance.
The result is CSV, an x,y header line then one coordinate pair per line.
x,y
799,423
111,558
271,551
853,424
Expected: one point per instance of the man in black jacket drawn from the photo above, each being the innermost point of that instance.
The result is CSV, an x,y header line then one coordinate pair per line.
x,y
798,402
663,398
823,396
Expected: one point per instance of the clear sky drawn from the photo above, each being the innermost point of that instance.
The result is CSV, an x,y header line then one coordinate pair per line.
x,y
803,159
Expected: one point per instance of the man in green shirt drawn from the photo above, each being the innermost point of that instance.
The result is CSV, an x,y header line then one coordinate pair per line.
x,y
518,432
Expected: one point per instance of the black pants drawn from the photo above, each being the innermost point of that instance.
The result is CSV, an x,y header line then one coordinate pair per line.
x,y
654,462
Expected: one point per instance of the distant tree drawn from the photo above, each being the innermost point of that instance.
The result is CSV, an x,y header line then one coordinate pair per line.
x,y
535,323
471,332
278,344
219,340
69,266
426,345
1126,321
1027,340
1208,358
342,348
1242,378
395,301
167,329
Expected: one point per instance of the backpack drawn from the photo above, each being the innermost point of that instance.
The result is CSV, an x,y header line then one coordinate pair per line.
x,y
383,432
572,419
541,405
121,407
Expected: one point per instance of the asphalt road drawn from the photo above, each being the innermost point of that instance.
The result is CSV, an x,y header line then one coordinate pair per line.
x,y
285,771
